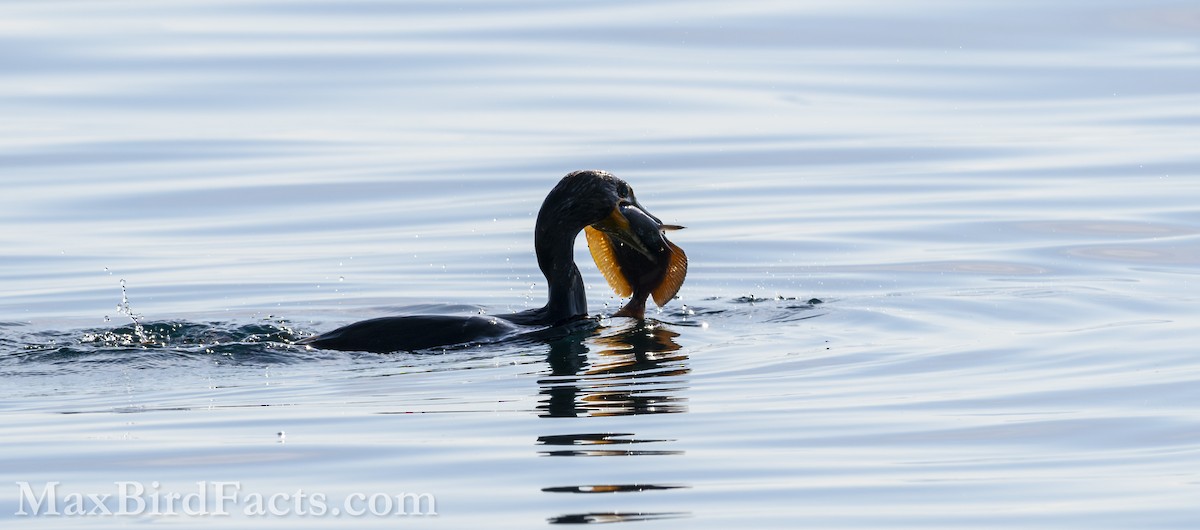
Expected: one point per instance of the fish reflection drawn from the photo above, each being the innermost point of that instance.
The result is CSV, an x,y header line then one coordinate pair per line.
x,y
638,371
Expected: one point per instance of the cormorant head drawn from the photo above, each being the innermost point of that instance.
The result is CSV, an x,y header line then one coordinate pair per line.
x,y
602,201
627,242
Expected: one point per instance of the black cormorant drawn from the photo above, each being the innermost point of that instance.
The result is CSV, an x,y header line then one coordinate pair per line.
x,y
583,199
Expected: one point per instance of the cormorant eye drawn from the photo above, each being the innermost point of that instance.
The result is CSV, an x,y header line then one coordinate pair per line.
x,y
623,190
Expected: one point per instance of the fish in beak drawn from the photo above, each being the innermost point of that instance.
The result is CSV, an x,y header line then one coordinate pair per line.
x,y
632,251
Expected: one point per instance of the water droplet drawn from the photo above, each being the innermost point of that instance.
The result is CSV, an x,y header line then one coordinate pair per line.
x,y
341,278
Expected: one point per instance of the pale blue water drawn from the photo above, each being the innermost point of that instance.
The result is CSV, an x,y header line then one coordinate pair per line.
x,y
996,202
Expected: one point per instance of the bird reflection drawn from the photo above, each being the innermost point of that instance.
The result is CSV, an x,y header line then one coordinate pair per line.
x,y
588,444
614,517
638,370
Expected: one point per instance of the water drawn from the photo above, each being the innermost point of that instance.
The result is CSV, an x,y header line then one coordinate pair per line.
x,y
996,204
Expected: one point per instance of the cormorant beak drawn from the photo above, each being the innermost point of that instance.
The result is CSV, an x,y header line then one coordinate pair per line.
x,y
633,226
661,227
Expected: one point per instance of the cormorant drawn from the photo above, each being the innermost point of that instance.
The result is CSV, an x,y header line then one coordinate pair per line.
x,y
589,199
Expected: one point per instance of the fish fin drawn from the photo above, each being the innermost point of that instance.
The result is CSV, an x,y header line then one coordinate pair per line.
x,y
671,283
634,308
602,253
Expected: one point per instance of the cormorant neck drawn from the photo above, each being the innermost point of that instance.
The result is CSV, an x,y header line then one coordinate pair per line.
x,y
554,243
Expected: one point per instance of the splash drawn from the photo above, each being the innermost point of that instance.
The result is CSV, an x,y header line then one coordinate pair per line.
x,y
124,308
163,343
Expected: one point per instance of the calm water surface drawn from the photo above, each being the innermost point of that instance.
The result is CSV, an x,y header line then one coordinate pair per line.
x,y
996,205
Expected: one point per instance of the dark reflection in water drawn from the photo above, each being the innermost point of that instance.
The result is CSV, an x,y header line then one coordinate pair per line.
x,y
592,439
614,517
636,370
589,439
611,488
